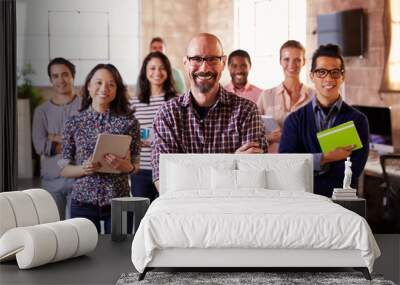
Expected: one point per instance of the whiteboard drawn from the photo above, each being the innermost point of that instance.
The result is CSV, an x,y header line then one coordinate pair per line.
x,y
79,35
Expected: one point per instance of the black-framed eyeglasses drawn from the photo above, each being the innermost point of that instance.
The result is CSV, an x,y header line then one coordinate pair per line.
x,y
334,73
211,60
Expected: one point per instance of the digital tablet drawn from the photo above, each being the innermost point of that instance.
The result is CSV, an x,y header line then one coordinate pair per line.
x,y
109,143
269,123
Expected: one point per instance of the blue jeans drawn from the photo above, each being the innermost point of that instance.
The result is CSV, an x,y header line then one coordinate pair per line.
x,y
142,185
60,189
94,213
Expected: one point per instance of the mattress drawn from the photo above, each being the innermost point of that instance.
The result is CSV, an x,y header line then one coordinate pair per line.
x,y
250,218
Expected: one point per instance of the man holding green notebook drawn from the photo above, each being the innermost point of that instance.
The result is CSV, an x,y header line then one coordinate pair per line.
x,y
328,127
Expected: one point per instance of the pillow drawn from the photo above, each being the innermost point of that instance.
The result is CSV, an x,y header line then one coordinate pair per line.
x,y
251,178
223,179
186,175
281,180
226,179
281,174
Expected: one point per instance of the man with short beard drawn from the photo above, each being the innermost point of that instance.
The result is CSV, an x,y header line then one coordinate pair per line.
x,y
239,65
206,118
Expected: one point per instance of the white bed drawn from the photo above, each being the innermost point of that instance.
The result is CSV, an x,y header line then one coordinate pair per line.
x,y
240,211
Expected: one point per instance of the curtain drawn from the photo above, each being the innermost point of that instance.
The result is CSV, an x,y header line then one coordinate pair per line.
x,y
387,42
8,97
391,23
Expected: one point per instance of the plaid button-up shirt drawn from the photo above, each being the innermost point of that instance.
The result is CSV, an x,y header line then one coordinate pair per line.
x,y
231,122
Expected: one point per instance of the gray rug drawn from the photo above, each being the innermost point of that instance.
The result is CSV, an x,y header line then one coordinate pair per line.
x,y
243,278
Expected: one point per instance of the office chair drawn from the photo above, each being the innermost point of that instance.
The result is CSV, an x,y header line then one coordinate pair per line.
x,y
391,174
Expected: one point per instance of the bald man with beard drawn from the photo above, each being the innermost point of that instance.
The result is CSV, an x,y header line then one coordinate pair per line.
x,y
206,118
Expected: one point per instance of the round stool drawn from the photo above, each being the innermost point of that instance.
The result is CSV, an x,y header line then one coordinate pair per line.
x,y
119,208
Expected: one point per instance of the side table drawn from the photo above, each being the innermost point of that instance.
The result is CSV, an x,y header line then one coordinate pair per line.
x,y
119,208
357,205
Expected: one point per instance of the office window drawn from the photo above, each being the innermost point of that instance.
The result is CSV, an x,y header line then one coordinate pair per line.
x,y
261,27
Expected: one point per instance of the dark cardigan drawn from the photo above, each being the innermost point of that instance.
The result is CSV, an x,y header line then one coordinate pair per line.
x,y
299,136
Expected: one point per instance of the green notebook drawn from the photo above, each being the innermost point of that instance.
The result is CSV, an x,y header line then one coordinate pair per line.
x,y
339,136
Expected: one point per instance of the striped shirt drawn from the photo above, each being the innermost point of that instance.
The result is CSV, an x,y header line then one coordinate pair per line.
x,y
231,122
145,113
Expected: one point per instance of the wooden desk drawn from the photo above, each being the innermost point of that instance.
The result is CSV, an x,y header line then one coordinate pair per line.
x,y
373,167
371,187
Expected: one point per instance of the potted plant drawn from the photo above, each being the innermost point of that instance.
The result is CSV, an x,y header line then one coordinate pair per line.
x,y
28,99
25,88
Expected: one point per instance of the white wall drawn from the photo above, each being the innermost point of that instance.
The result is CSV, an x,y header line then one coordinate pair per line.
x,y
85,35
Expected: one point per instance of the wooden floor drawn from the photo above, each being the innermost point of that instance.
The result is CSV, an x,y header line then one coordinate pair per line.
x,y
102,266
110,259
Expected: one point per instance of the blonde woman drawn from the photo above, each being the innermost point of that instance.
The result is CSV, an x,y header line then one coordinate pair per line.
x,y
291,94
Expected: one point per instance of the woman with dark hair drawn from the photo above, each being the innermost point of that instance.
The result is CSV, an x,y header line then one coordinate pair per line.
x,y
291,94
105,109
155,86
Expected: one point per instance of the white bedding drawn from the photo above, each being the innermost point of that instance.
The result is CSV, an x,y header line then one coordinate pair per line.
x,y
252,218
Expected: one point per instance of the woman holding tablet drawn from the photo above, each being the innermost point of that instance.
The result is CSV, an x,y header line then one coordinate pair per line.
x,y
155,86
105,109
291,94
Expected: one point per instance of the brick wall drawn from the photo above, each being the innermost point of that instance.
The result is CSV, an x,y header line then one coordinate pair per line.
x,y
178,21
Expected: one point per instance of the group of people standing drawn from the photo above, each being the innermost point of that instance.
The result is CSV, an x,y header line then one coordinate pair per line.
x,y
277,102
65,133
206,118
